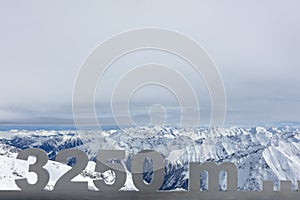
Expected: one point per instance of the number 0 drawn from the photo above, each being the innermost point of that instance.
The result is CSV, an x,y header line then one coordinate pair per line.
x,y
158,170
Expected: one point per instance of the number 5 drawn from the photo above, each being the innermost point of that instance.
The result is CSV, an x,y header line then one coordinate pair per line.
x,y
103,164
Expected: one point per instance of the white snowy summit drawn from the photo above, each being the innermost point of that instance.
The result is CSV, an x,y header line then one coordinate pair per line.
x,y
259,153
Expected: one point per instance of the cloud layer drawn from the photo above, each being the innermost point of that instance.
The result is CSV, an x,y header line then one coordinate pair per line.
x,y
255,45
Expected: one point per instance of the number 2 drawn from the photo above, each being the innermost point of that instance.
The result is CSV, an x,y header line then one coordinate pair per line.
x,y
65,181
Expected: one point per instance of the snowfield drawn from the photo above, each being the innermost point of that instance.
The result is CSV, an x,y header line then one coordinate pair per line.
x,y
259,153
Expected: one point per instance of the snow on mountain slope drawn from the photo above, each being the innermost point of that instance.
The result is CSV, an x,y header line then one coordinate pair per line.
x,y
12,169
259,153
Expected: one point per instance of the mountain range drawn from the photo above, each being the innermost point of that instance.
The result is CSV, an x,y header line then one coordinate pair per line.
x,y
260,153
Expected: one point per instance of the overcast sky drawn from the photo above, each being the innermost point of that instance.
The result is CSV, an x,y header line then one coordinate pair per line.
x,y
255,44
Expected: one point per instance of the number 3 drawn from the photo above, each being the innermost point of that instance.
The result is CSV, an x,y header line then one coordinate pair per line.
x,y
37,168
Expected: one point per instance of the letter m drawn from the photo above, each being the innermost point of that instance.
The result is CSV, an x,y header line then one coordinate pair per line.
x,y
213,171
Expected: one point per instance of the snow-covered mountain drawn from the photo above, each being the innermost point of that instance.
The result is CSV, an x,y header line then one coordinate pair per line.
x,y
259,153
